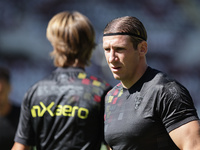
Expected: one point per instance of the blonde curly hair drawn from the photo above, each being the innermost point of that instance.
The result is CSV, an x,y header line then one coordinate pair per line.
x,y
72,37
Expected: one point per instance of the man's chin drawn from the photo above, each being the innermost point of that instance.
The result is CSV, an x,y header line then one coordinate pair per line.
x,y
116,77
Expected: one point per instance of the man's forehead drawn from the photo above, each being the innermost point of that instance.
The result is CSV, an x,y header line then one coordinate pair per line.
x,y
116,39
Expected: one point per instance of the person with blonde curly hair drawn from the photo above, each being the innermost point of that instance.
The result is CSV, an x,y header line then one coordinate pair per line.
x,y
65,111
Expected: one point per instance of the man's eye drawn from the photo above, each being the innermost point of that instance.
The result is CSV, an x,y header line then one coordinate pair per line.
x,y
120,49
107,49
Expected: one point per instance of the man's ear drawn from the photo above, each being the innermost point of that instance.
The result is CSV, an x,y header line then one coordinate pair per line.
x,y
1,87
142,47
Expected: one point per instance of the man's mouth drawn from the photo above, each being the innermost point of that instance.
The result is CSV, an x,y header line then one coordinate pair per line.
x,y
115,69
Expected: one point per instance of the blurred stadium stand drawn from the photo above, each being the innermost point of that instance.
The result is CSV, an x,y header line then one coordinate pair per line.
x,y
173,28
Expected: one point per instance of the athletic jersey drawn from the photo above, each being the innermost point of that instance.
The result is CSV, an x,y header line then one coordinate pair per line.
x,y
141,117
8,127
64,111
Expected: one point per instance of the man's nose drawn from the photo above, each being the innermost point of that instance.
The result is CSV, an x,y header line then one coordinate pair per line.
x,y
112,56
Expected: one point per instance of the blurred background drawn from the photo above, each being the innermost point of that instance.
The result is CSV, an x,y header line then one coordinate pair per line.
x,y
173,28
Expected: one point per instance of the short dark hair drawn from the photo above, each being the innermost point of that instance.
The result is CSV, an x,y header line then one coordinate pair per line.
x,y
4,74
128,24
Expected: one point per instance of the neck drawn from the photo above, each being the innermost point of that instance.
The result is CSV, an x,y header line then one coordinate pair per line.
x,y
138,74
78,64
5,109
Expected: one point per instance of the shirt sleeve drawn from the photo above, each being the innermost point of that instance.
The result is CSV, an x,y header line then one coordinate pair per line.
x,y
176,107
25,134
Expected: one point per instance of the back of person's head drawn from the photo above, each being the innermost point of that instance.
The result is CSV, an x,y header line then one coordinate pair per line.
x,y
72,37
4,74
129,25
4,82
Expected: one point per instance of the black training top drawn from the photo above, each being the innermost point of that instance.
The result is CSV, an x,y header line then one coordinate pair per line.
x,y
141,117
64,111
8,127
